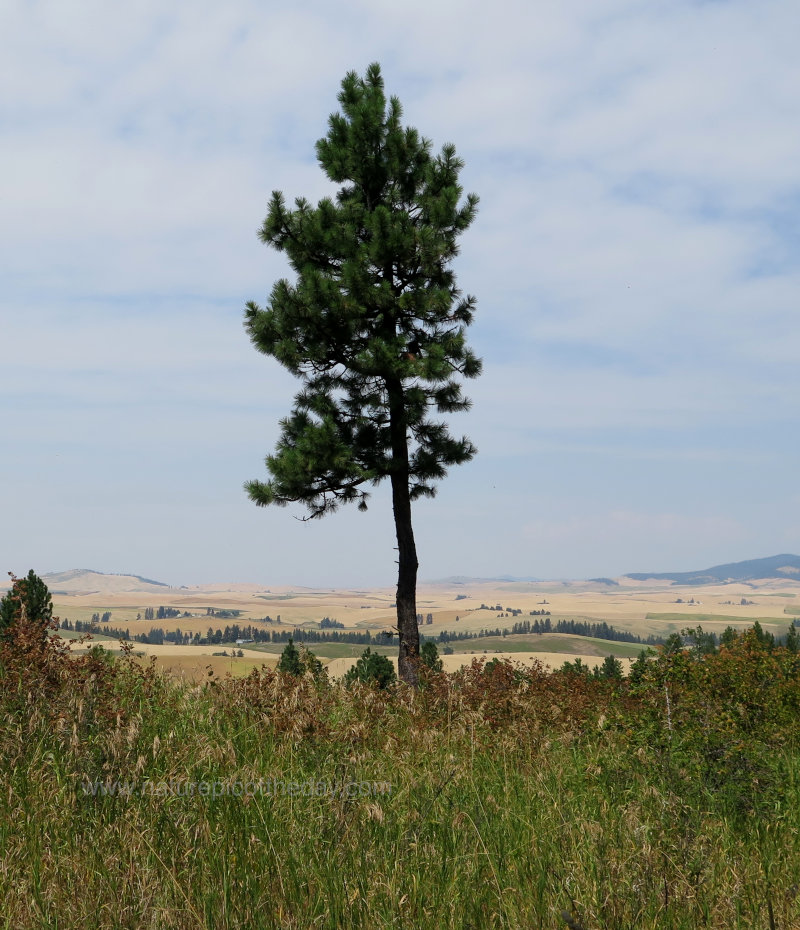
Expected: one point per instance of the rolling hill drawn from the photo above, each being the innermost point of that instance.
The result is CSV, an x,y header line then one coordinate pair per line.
x,y
786,567
86,581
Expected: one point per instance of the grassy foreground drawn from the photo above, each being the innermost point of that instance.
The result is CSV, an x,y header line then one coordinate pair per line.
x,y
494,797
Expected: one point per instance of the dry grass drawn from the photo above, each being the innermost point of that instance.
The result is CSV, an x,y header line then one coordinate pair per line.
x,y
514,795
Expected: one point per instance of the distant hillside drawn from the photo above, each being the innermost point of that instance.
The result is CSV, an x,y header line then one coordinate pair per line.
x,y
776,566
86,581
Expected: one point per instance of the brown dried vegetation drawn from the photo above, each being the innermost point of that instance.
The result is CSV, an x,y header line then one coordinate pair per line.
x,y
509,795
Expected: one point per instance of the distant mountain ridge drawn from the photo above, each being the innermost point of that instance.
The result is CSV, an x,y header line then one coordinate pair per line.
x,y
87,581
784,566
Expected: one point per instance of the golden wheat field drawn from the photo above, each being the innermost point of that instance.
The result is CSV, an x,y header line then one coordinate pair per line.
x,y
656,608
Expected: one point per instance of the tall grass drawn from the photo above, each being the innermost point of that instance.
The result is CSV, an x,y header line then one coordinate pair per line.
x,y
515,795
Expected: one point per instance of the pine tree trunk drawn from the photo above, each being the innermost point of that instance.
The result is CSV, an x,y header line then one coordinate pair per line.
x,y
408,631
408,658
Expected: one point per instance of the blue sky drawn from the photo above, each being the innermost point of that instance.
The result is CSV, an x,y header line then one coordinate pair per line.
x,y
635,261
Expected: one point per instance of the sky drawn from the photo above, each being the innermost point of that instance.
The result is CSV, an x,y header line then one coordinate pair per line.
x,y
635,261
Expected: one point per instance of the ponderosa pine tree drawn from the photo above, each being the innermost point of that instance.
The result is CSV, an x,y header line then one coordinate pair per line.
x,y
290,663
374,327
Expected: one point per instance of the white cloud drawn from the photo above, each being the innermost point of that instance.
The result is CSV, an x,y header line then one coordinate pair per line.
x,y
635,258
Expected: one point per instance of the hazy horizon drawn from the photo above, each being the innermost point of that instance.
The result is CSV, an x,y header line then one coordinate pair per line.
x,y
451,579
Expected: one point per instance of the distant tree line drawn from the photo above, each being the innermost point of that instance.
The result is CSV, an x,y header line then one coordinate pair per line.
x,y
163,613
603,630
328,624
156,636
702,642
526,626
232,633
514,611
85,626
91,626
452,637
360,638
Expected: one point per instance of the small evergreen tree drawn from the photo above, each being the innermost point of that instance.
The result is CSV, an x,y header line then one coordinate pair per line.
x,y
430,656
28,600
290,662
611,669
792,639
575,668
762,637
702,643
673,644
311,664
372,668
639,667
